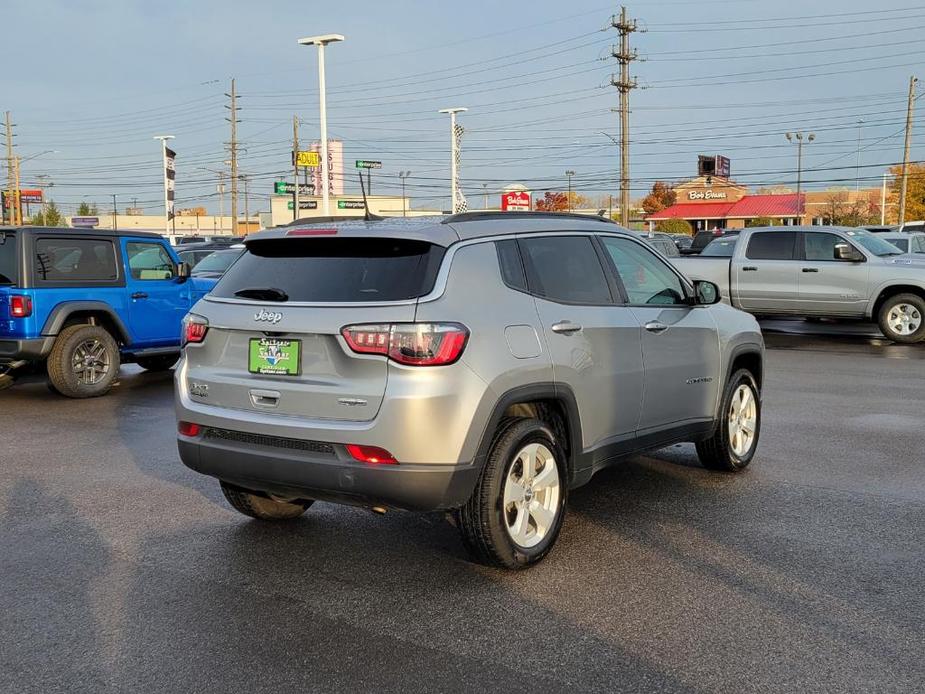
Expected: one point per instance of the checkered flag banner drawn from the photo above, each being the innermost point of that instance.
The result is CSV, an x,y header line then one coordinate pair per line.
x,y
459,204
170,174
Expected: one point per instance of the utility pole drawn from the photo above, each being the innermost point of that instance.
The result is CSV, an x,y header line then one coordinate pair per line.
x,y
16,202
908,145
233,147
624,85
883,201
221,201
295,168
9,167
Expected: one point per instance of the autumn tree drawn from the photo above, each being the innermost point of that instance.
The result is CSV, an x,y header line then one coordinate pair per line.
x,y
915,190
840,210
662,196
559,202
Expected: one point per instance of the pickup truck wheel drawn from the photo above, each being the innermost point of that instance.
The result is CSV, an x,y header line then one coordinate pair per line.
x,y
83,362
159,363
733,444
515,512
902,318
262,507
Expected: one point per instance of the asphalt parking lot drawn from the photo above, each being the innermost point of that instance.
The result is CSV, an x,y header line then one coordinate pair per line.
x,y
121,570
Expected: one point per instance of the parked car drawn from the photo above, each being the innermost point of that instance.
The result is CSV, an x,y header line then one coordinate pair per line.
x,y
682,241
913,226
720,247
217,263
703,238
664,244
84,301
881,228
907,242
224,239
446,365
821,272
194,253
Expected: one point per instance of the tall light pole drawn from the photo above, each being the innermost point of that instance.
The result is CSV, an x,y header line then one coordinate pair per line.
x,y
163,139
798,136
857,168
883,200
454,157
404,201
568,175
322,41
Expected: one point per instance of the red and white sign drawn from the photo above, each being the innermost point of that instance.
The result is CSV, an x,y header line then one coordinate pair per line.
x,y
515,201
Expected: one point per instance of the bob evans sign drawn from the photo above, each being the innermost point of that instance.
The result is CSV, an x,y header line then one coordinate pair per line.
x,y
706,195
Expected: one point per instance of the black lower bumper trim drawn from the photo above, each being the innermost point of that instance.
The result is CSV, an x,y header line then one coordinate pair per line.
x,y
321,476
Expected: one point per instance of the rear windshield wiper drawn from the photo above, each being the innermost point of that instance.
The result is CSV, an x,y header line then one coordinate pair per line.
x,y
263,294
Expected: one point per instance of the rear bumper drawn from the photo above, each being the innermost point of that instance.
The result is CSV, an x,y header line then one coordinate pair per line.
x,y
28,349
328,474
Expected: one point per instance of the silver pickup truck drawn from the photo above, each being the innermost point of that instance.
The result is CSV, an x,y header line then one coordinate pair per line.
x,y
826,272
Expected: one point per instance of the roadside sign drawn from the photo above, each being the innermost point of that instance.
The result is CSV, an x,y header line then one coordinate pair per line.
x,y
286,188
304,205
308,159
515,201
350,205
88,222
368,164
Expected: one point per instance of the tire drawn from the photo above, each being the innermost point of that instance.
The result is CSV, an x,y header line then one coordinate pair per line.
x,y
262,507
724,451
902,318
84,361
158,363
509,535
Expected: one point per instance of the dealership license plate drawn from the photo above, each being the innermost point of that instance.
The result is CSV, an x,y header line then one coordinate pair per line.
x,y
268,355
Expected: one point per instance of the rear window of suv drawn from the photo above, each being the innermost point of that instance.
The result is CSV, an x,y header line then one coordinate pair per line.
x,y
335,270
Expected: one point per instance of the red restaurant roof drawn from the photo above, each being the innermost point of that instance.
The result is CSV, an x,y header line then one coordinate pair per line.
x,y
786,205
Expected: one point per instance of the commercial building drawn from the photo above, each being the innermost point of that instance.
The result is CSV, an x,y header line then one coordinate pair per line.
x,y
712,201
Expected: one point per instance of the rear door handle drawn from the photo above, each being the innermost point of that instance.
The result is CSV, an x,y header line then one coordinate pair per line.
x,y
655,326
140,295
566,327
749,268
810,269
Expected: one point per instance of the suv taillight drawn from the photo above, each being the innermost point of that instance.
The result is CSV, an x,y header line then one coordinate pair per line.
x,y
413,344
194,329
20,306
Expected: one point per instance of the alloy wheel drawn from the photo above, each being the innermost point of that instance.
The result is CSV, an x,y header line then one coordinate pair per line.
x,y
90,362
531,495
742,420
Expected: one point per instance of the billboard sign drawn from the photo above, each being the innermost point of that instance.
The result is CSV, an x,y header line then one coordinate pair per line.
x,y
85,222
515,201
308,159
30,196
368,164
723,168
350,205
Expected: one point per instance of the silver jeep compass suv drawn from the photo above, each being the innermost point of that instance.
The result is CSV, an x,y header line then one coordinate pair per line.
x,y
482,364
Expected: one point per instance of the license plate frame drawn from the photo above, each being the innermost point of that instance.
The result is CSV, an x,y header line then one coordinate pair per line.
x,y
271,356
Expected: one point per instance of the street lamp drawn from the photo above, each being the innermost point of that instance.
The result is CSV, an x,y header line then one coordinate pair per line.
x,y
568,175
857,170
454,156
798,136
404,201
322,41
163,139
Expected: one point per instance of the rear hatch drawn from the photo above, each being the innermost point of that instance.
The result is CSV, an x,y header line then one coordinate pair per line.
x,y
9,279
274,340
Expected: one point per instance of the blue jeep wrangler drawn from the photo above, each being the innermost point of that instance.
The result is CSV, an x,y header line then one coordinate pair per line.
x,y
85,301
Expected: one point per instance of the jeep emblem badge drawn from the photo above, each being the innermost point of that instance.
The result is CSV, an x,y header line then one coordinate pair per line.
x,y
268,316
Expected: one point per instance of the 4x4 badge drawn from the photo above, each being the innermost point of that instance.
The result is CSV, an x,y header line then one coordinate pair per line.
x,y
268,316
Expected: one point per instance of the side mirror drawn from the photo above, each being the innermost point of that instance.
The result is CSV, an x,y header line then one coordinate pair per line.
x,y
183,271
845,251
706,293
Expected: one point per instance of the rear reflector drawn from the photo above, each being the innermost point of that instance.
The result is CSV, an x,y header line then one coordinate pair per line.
x,y
312,232
20,306
188,429
371,454
412,344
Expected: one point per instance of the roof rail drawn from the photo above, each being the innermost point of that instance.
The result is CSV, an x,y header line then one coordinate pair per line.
x,y
480,215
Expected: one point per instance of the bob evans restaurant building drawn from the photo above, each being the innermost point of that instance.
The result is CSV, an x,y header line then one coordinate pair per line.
x,y
711,202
